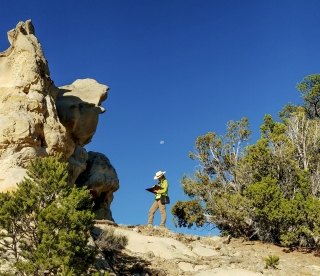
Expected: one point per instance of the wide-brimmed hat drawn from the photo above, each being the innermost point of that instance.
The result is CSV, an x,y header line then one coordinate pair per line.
x,y
159,174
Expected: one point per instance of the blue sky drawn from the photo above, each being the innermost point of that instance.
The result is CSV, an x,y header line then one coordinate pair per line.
x,y
176,70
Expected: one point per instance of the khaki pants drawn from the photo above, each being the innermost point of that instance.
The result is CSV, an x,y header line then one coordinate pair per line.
x,y
154,207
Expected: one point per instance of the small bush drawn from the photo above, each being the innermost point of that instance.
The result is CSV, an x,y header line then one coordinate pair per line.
x,y
188,213
272,261
109,244
108,241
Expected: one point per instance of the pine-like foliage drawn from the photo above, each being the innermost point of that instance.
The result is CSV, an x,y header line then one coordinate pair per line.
x,y
45,224
269,190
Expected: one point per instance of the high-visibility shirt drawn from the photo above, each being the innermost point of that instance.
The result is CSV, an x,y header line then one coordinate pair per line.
x,y
163,183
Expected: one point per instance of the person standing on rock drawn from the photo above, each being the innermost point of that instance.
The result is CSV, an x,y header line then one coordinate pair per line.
x,y
161,193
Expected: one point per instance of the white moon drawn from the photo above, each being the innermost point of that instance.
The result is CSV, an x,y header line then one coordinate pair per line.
x,y
161,142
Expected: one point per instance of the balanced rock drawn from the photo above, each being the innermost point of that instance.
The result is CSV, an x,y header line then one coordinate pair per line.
x,y
39,119
79,105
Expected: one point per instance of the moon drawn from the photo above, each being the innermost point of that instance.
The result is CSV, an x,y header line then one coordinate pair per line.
x,y
161,142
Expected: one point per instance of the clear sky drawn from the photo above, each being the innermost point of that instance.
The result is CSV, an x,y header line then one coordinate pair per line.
x,y
176,70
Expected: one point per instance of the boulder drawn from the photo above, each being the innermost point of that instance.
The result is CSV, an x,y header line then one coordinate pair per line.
x,y
102,180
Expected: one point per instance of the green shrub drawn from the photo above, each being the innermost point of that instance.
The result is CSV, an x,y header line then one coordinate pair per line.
x,y
265,199
230,213
47,223
268,190
188,213
272,261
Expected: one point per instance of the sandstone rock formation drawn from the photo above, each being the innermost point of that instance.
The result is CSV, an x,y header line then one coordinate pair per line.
x,y
38,119
99,172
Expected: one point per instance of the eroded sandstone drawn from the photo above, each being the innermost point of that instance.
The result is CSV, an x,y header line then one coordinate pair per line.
x,y
39,119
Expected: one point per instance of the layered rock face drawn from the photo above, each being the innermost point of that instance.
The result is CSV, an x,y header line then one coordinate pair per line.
x,y
38,119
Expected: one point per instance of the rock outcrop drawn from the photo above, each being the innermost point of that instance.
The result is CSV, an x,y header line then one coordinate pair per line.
x,y
156,251
38,119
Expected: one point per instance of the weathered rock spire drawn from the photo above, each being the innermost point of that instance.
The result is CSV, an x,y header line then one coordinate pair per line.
x,y
38,119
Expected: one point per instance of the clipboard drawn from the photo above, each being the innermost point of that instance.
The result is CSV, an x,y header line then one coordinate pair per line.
x,y
153,189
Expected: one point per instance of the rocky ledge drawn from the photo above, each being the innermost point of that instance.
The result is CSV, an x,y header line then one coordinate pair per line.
x,y
156,251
